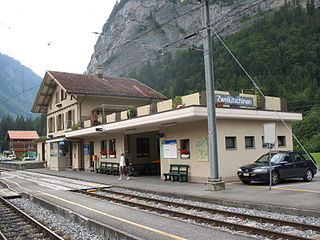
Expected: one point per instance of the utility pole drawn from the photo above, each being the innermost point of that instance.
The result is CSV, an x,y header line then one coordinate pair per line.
x,y
214,181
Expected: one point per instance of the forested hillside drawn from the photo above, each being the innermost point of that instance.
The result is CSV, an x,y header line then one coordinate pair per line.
x,y
19,86
280,51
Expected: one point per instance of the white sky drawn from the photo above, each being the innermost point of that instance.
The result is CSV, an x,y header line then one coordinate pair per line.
x,y
52,34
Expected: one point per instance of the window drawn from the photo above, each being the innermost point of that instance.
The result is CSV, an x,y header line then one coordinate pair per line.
x,y
143,147
281,141
112,148
185,148
70,118
230,142
249,141
60,122
63,95
104,148
51,125
57,97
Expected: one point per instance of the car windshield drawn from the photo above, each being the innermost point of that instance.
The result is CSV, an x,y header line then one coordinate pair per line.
x,y
275,158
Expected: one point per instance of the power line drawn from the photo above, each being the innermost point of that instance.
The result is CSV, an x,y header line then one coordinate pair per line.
x,y
260,91
9,99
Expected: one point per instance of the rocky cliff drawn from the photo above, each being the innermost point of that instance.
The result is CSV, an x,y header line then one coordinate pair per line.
x,y
137,31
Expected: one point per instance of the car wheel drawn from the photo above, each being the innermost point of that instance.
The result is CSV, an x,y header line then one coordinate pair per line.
x,y
308,176
246,181
275,178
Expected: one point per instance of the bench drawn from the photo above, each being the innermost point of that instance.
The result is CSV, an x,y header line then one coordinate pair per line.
x,y
177,172
108,168
102,168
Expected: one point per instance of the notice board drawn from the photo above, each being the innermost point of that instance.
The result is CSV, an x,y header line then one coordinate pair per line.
x,y
169,149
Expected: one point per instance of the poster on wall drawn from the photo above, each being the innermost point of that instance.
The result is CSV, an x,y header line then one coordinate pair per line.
x,y
169,149
202,149
86,150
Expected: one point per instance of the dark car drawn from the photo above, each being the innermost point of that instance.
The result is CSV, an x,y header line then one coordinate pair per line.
x,y
288,164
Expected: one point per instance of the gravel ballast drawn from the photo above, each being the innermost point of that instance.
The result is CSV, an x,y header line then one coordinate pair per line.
x,y
55,222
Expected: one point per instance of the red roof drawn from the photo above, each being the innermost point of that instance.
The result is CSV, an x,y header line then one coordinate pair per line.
x,y
12,134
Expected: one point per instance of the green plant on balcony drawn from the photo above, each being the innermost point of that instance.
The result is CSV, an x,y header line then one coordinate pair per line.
x,y
132,111
177,102
75,126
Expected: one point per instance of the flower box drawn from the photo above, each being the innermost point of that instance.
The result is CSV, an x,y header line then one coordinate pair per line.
x,y
185,155
112,154
103,154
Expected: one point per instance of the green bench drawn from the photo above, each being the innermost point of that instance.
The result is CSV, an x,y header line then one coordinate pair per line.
x,y
108,168
177,172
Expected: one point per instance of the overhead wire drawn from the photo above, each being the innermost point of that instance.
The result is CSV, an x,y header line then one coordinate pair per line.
x,y
260,91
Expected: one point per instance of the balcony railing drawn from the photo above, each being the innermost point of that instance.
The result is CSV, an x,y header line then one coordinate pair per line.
x,y
198,98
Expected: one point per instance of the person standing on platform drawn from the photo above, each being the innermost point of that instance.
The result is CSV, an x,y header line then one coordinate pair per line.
x,y
123,167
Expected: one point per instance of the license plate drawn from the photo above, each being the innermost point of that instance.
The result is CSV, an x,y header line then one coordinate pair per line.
x,y
246,174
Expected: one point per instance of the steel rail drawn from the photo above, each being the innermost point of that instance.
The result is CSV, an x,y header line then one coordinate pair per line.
x,y
232,225
46,231
301,226
3,237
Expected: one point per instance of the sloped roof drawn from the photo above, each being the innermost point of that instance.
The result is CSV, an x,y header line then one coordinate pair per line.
x,y
15,134
92,85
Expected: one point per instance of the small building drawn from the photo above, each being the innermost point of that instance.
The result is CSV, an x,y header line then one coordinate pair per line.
x,y
22,142
93,119
75,101
177,133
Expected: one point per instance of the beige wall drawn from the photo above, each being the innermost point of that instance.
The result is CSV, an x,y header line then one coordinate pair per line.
x,y
229,160
66,105
199,170
39,151
119,137
75,155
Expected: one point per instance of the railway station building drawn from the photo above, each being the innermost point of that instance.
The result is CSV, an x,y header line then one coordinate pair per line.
x,y
93,119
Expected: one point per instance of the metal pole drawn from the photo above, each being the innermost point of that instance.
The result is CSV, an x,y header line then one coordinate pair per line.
x,y
208,63
270,173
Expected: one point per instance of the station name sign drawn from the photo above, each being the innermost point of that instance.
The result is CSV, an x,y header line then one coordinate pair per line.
x,y
235,100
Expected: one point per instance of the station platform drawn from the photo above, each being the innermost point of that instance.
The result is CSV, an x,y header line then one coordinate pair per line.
x,y
22,165
291,197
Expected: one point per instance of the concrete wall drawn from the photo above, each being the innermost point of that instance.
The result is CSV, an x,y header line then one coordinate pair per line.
x,y
229,159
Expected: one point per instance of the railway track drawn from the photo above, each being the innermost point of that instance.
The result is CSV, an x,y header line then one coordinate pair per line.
x,y
259,225
15,224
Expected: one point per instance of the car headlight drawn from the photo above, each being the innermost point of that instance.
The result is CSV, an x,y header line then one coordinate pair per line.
x,y
260,170
239,170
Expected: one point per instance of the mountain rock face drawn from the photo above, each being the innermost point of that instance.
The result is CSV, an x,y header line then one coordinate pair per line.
x,y
19,86
139,31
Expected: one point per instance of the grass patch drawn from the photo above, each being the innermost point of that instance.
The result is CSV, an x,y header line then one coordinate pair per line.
x,y
316,157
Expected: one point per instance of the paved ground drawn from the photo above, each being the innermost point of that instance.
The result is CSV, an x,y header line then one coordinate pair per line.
x,y
296,197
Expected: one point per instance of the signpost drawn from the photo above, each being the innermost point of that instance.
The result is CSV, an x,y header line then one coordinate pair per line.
x,y
269,133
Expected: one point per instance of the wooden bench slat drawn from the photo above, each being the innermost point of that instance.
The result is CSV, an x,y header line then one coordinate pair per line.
x,y
108,168
177,172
